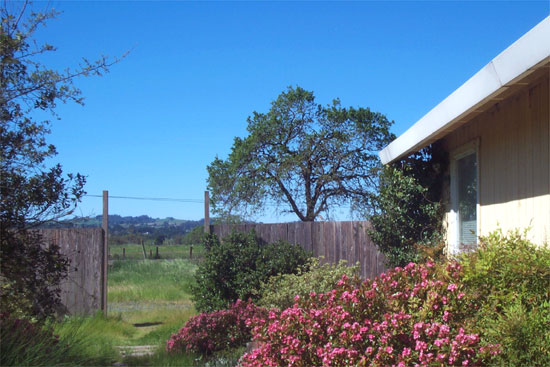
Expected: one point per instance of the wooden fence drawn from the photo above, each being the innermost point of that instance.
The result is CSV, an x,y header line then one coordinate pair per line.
x,y
82,293
332,240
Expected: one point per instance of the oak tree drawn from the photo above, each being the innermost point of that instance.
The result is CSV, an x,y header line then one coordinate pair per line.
x,y
304,157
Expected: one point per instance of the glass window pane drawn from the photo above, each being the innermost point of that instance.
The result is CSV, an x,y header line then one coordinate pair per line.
x,y
467,199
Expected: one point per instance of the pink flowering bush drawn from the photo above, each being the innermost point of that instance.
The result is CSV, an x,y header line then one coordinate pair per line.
x,y
214,331
416,315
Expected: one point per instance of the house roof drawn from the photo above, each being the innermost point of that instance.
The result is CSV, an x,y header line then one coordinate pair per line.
x,y
511,69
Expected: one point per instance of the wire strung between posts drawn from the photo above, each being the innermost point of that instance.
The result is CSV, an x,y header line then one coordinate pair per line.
x,y
150,199
198,201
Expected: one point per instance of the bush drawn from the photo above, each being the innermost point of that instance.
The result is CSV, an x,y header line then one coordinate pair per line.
x,y
510,278
279,291
407,209
215,331
31,274
412,315
234,269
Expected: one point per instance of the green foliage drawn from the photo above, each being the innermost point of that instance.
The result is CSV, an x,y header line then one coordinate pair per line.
x,y
29,344
511,279
301,155
522,331
193,237
281,258
407,210
234,269
32,192
279,291
30,274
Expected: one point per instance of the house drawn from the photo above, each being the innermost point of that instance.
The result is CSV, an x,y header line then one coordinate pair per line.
x,y
495,128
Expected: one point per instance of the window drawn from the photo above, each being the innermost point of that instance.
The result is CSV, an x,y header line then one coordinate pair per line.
x,y
464,198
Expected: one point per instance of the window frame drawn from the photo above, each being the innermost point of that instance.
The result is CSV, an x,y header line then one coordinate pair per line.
x,y
465,150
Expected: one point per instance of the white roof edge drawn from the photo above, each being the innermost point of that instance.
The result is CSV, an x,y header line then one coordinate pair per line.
x,y
528,51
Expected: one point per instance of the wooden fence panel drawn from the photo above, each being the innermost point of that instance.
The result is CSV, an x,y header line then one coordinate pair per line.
x,y
308,239
291,232
333,241
81,292
345,232
317,241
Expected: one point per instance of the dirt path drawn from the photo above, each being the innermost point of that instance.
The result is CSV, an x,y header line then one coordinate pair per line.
x,y
136,350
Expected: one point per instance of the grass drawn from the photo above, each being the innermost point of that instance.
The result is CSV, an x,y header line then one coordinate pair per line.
x,y
148,300
223,359
28,344
153,292
150,281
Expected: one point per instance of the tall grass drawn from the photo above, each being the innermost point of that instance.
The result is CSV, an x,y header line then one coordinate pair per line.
x,y
100,331
151,281
66,344
155,292
152,292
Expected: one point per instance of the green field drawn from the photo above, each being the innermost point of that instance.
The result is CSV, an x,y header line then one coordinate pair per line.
x,y
134,251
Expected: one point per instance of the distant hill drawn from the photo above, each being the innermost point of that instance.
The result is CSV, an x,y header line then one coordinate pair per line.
x,y
142,224
130,229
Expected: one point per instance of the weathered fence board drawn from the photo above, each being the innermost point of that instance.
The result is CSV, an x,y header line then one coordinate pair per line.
x,y
81,292
333,240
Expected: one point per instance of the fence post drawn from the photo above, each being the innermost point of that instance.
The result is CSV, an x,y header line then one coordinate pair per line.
x,y
206,212
190,251
123,253
143,247
105,226
157,254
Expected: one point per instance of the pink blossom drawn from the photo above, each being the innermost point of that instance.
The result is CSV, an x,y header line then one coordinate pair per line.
x,y
452,287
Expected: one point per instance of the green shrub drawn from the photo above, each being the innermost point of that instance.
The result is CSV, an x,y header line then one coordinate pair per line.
x,y
406,211
279,291
234,269
510,277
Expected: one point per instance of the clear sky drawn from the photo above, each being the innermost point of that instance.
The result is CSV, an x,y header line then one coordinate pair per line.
x,y
196,70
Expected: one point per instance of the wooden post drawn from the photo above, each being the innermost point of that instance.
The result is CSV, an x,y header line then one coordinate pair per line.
x,y
206,212
123,253
105,226
157,254
150,253
190,251
144,252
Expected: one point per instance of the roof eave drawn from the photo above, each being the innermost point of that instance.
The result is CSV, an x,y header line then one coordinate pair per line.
x,y
526,55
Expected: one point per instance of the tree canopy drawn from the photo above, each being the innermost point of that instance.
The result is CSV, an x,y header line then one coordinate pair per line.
x,y
32,190
303,157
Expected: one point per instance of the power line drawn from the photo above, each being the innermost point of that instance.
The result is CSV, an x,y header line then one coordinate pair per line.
x,y
198,201
150,199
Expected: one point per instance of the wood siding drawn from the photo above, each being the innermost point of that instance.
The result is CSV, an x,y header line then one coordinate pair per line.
x,y
81,292
332,240
514,161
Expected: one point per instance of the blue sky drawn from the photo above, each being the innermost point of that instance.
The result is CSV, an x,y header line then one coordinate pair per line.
x,y
196,70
